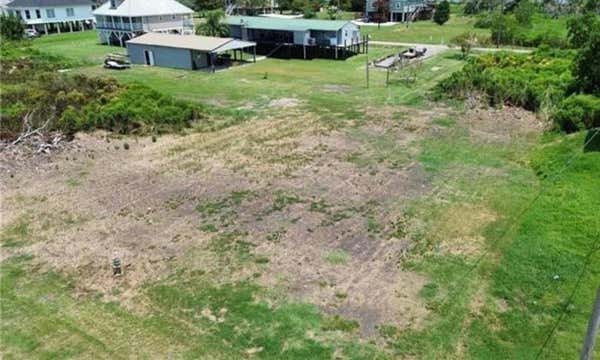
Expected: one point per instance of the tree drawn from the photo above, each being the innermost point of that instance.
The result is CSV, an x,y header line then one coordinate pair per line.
x,y
584,34
442,13
204,5
11,27
503,28
253,5
332,12
213,25
381,11
308,12
284,5
465,41
580,27
297,5
523,12
356,5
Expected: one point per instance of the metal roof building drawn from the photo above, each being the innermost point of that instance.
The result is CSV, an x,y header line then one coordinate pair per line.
x,y
302,38
271,23
188,51
52,15
142,8
118,21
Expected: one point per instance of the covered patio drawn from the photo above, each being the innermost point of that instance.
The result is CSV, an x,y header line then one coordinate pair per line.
x,y
232,53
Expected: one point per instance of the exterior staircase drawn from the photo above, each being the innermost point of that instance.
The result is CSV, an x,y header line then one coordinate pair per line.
x,y
230,8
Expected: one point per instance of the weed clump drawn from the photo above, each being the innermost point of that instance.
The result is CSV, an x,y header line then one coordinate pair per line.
x,y
336,322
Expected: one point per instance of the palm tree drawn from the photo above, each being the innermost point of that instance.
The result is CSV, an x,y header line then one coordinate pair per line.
x,y
212,25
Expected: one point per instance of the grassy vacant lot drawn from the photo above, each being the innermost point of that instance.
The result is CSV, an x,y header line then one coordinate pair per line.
x,y
319,220
425,31
82,46
428,32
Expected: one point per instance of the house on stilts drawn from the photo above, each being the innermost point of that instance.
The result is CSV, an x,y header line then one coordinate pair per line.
x,y
52,16
299,38
120,20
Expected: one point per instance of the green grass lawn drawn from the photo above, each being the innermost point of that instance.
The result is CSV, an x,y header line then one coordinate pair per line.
x,y
82,46
424,31
340,91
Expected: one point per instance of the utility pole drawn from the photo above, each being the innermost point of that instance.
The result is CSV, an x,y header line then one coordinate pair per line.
x,y
592,331
367,68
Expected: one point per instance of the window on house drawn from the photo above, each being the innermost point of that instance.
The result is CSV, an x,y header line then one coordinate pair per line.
x,y
27,14
18,13
50,13
113,3
70,12
38,14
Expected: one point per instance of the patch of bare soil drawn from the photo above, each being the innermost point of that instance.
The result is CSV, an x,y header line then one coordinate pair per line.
x,y
460,229
284,103
280,187
502,125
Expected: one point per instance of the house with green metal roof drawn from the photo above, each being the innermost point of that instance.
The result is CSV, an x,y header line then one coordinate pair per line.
x,y
339,39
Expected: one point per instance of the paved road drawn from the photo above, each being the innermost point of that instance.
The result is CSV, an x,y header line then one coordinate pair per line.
x,y
436,49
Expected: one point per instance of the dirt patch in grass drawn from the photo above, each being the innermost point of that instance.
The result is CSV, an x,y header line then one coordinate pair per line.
x,y
284,103
180,203
502,125
460,229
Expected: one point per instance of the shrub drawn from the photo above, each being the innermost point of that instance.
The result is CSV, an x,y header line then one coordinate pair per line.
x,y
11,27
585,35
519,79
503,28
524,12
308,13
442,13
33,90
465,41
578,112
139,109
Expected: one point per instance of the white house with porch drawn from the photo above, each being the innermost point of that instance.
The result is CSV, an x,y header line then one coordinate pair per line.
x,y
120,20
53,15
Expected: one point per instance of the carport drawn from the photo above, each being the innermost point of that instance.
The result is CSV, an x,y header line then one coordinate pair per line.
x,y
233,52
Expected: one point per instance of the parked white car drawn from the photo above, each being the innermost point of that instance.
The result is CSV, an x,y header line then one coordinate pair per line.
x,y
31,33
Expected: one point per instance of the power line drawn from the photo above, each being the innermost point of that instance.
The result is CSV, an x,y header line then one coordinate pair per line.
x,y
516,220
589,255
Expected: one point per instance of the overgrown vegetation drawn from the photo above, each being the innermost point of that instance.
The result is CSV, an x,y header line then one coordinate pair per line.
x,y
532,81
563,84
11,27
36,94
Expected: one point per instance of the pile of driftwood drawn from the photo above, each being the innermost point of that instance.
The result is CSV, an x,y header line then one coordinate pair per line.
x,y
37,140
